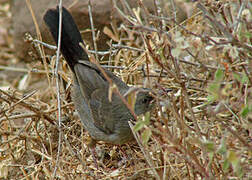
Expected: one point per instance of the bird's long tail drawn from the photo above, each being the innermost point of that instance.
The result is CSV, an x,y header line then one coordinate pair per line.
x,y
70,36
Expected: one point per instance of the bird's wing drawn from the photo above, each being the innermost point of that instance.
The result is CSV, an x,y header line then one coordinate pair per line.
x,y
122,86
89,79
108,115
94,88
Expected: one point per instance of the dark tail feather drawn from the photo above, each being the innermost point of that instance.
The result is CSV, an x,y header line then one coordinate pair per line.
x,y
70,37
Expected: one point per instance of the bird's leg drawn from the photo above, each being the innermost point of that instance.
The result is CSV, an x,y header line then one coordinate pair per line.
x,y
125,157
91,146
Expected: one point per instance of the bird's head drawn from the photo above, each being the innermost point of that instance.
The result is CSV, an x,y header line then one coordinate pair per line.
x,y
141,98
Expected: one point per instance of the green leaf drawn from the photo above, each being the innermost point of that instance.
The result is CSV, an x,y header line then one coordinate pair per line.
x,y
211,98
219,75
233,159
239,172
209,146
237,77
211,155
160,52
222,149
244,79
245,111
142,120
139,125
247,35
226,165
146,135
214,87
146,118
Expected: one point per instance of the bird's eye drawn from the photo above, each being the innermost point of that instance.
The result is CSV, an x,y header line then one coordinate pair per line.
x,y
145,100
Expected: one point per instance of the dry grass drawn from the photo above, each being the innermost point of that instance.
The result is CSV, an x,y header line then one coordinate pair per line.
x,y
200,128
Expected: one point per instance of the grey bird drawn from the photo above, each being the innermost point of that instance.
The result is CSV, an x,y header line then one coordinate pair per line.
x,y
104,120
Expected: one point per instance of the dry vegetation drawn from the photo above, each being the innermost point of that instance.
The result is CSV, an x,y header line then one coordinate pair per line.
x,y
200,128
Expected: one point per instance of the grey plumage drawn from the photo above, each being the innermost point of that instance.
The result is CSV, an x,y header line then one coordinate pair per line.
x,y
104,120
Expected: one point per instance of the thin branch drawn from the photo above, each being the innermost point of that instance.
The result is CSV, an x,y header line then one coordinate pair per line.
x,y
146,154
58,88
92,28
28,106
